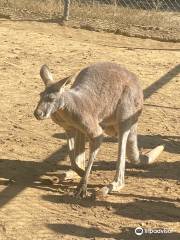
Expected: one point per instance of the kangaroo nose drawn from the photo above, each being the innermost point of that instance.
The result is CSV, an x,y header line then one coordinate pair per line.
x,y
38,114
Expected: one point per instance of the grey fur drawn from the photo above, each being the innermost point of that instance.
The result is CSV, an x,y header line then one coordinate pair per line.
x,y
104,97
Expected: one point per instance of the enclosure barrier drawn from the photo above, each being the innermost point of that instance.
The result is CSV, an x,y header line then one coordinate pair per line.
x,y
147,18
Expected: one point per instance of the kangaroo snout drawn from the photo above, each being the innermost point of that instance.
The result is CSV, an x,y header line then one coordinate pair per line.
x,y
39,115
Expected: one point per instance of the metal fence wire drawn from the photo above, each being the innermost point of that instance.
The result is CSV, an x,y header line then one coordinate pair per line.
x,y
150,18
163,5
158,19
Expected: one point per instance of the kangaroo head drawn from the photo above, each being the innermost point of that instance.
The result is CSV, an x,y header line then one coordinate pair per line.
x,y
50,99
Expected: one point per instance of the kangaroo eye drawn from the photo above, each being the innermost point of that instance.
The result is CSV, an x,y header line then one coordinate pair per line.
x,y
51,97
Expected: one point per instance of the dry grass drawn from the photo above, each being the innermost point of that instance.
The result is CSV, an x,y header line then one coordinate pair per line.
x,y
103,17
48,7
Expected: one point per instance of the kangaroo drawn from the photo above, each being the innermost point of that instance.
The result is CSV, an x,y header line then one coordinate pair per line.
x,y
104,98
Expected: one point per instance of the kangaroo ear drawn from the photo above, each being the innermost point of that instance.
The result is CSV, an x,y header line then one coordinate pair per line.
x,y
62,83
46,75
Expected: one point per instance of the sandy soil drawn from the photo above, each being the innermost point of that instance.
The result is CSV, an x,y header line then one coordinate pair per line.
x,y
157,25
31,209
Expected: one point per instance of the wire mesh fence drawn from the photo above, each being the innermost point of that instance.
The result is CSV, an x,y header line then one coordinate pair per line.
x,y
158,19
163,5
170,5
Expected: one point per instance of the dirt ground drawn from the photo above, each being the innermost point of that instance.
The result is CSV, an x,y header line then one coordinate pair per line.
x,y
31,209
128,21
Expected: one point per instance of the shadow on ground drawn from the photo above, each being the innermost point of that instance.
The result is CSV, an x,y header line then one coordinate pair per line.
x,y
140,208
17,174
93,233
171,143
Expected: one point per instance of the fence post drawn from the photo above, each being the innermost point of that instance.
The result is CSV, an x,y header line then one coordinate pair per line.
x,y
115,6
66,10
